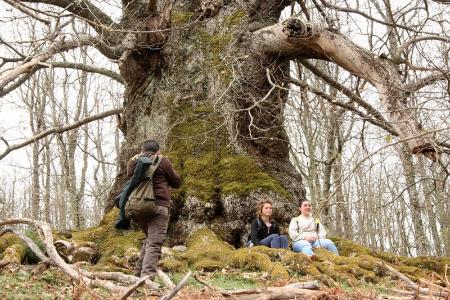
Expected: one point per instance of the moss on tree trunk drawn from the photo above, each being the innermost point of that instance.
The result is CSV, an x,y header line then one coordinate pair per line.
x,y
206,98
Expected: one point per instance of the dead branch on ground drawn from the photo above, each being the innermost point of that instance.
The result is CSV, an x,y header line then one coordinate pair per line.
x,y
85,278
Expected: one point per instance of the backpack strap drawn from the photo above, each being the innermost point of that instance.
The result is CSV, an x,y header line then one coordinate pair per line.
x,y
152,168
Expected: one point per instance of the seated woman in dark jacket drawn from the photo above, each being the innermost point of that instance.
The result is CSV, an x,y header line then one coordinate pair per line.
x,y
264,230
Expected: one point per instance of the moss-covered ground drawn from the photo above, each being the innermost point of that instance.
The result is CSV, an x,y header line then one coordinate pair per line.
x,y
358,271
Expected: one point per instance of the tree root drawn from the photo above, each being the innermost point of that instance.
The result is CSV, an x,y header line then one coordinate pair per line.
x,y
442,292
83,277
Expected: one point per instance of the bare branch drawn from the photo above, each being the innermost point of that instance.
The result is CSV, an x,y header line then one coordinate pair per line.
x,y
16,4
346,106
369,17
398,53
179,286
57,47
335,84
29,66
324,15
132,288
431,79
61,129
304,9
109,73
85,10
295,38
168,283
29,242
17,83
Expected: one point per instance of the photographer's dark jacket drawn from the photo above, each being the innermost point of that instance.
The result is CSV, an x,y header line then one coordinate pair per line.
x,y
163,177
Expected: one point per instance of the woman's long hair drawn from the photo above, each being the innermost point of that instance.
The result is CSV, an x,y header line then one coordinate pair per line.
x,y
260,206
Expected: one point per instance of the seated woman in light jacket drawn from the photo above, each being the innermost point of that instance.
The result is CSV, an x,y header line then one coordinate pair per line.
x,y
306,233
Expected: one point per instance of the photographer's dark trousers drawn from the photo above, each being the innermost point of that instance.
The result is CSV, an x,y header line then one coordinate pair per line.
x,y
155,229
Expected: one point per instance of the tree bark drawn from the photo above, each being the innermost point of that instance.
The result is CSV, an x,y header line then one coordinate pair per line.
x,y
206,98
430,206
416,208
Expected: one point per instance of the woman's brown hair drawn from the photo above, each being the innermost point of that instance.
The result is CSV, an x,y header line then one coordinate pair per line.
x,y
301,202
260,206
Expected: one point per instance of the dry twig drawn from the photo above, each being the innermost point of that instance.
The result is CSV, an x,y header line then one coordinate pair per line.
x,y
132,288
179,286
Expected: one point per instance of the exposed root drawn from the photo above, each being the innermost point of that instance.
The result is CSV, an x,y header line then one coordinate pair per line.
x,y
443,292
52,258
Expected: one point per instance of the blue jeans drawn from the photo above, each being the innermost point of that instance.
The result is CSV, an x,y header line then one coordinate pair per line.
x,y
275,241
305,247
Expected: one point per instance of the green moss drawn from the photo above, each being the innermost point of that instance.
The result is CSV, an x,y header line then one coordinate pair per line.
x,y
300,263
200,177
110,217
116,247
7,240
234,19
273,253
209,265
204,244
179,18
238,182
174,265
30,255
413,273
214,46
436,264
251,260
118,244
356,271
337,273
367,262
350,248
278,272
370,258
15,253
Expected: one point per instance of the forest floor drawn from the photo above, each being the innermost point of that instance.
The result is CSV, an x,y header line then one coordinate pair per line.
x,y
219,269
18,282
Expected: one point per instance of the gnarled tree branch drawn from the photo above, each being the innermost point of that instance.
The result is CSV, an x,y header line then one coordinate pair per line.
x,y
295,38
85,10
60,129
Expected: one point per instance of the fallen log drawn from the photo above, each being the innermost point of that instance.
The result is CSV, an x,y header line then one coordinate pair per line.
x,y
283,292
73,252
15,253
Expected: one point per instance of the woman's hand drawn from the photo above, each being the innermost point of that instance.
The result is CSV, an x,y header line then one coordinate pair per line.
x,y
311,238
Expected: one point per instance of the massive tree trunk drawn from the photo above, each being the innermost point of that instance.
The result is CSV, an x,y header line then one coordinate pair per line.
x,y
207,99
